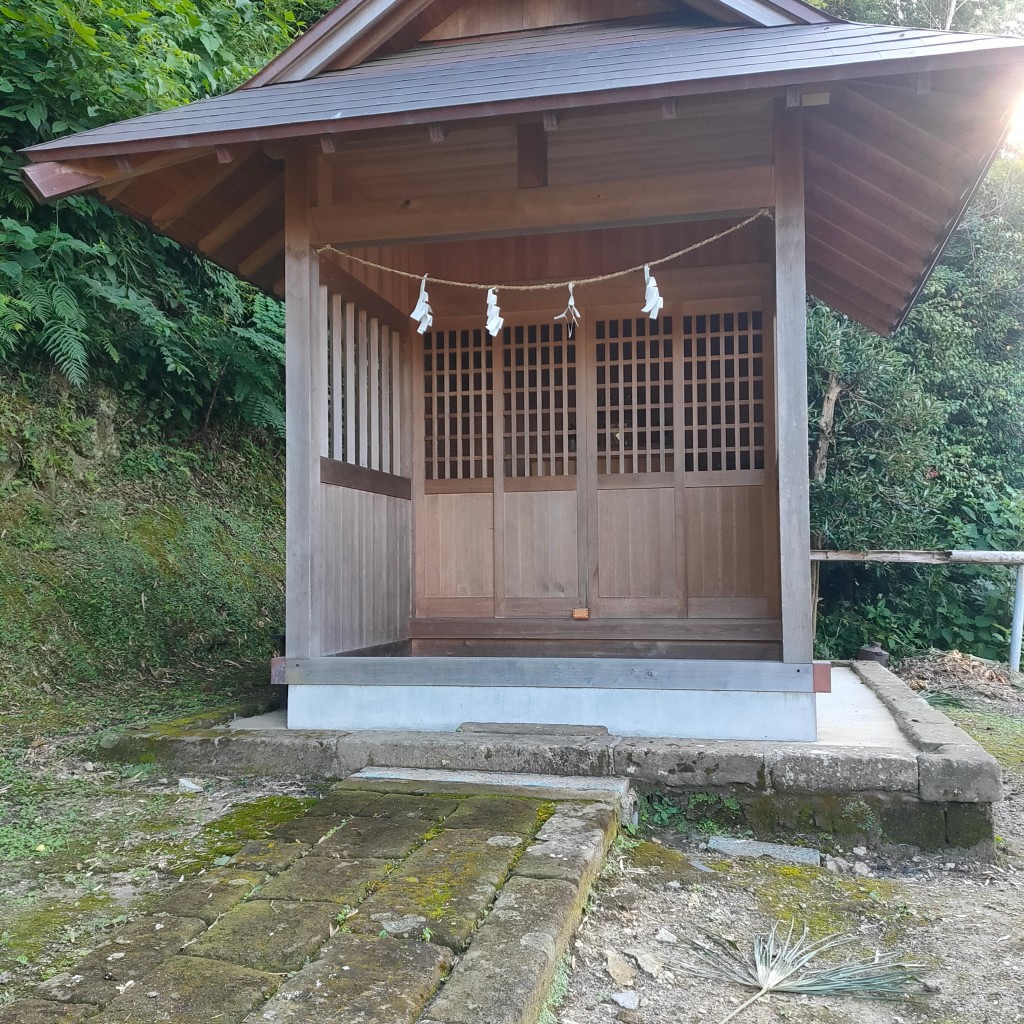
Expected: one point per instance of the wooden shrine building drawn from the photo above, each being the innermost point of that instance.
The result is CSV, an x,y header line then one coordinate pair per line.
x,y
602,522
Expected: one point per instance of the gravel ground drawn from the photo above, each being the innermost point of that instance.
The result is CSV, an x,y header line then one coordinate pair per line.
x,y
964,923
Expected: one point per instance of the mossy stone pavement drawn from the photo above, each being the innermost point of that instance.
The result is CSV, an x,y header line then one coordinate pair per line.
x,y
374,907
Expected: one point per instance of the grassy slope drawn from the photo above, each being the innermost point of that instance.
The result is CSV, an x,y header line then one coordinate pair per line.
x,y
136,577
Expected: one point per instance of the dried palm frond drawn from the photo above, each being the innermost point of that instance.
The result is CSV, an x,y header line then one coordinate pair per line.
x,y
780,962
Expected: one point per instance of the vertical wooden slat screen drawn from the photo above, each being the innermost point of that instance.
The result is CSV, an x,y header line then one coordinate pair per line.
x,y
362,369
372,391
397,392
337,418
324,365
385,401
350,451
634,359
458,402
723,390
362,386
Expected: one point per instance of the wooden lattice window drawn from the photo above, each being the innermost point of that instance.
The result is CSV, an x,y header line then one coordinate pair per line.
x,y
635,425
723,390
458,404
539,394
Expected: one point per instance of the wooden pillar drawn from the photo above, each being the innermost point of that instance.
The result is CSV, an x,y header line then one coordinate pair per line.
x,y
305,415
791,387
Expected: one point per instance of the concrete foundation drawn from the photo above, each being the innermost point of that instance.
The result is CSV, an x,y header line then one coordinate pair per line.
x,y
736,714
886,769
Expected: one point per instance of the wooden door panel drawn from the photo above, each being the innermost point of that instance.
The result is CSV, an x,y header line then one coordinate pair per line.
x,y
731,547
541,561
635,557
636,554
455,554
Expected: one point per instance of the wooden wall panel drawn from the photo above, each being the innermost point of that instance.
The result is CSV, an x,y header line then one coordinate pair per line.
x,y
540,544
484,17
731,547
455,546
605,153
636,543
367,569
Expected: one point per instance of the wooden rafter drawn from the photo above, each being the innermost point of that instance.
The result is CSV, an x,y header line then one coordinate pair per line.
x,y
182,201
258,203
892,266
262,255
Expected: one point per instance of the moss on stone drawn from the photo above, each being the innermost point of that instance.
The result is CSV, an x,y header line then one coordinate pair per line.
x,y
226,835
27,929
665,864
826,903
445,887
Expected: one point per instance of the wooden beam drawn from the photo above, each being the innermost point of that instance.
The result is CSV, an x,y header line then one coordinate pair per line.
x,y
913,215
791,387
359,478
240,216
555,208
49,181
259,258
897,266
532,155
888,304
871,319
911,132
923,557
180,203
871,279
901,240
303,535
54,180
858,144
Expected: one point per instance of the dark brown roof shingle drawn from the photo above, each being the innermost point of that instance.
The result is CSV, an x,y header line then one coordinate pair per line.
x,y
569,67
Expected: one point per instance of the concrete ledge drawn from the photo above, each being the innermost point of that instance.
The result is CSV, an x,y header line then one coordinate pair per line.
x,y
926,727
841,770
951,766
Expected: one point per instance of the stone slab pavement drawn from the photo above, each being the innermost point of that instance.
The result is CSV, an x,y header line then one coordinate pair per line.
x,y
375,907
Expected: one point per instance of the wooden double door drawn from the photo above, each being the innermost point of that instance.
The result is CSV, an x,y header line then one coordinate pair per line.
x,y
562,469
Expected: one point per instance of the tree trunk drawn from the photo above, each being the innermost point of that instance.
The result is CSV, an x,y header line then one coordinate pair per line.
x,y
826,425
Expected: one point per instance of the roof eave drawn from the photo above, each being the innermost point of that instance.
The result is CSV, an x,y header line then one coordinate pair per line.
x,y
949,231
67,150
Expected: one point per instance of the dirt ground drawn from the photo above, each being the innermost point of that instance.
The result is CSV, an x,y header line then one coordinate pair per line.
x,y
963,923
84,844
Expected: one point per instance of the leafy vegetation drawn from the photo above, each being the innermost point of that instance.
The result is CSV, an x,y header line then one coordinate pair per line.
x,y
917,441
84,288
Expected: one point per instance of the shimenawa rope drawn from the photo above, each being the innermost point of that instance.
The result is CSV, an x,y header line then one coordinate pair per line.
x,y
551,285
